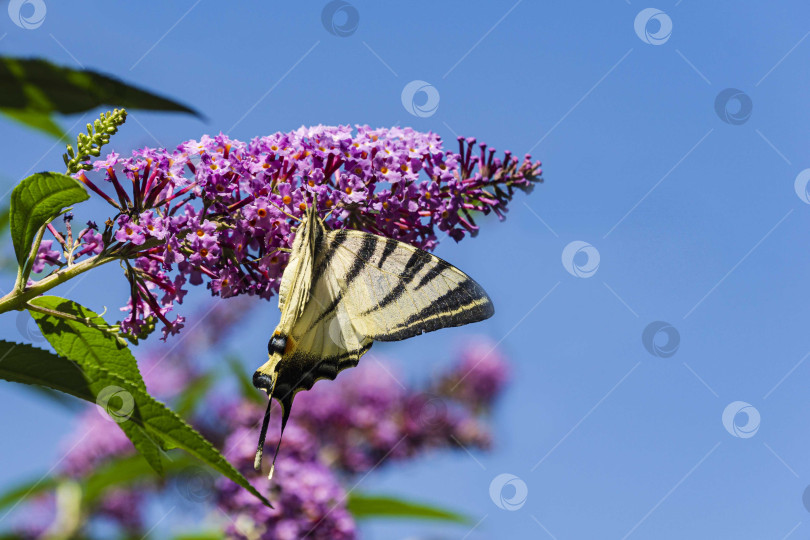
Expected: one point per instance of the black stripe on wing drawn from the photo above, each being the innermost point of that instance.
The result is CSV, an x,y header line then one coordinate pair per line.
x,y
390,247
466,303
363,255
415,263
337,240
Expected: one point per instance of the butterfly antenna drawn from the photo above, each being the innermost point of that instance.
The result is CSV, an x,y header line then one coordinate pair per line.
x,y
280,209
257,462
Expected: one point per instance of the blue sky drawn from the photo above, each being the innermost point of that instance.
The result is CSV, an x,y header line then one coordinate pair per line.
x,y
696,222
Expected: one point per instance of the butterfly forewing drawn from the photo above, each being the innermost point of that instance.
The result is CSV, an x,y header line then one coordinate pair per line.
x,y
394,291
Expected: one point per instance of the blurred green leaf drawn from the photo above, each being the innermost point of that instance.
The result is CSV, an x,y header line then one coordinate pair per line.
x,y
245,384
192,394
28,365
27,489
33,84
371,506
35,201
35,119
5,214
125,472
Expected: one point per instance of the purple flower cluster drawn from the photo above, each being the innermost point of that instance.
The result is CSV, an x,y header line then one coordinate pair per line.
x,y
218,209
88,242
366,419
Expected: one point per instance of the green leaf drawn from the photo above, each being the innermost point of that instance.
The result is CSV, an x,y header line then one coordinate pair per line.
x,y
89,346
26,364
371,506
33,84
245,384
37,120
37,200
85,344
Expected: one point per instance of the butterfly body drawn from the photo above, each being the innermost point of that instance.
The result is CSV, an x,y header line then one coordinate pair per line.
x,y
344,289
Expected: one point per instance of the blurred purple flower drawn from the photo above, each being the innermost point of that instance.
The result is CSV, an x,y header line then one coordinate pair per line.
x,y
478,377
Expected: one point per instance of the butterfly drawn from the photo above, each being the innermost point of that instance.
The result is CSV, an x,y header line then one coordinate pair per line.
x,y
344,289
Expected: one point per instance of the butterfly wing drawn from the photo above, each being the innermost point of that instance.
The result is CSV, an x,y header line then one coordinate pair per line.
x,y
393,291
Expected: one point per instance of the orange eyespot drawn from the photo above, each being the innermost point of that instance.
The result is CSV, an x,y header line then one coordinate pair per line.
x,y
200,232
404,167
364,154
261,212
329,203
204,252
287,199
302,206
384,170
348,191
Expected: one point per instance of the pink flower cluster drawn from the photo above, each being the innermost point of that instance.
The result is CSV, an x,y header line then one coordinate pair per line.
x,y
217,210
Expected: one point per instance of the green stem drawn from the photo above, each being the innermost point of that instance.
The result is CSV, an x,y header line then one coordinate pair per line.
x,y
25,271
18,298
67,316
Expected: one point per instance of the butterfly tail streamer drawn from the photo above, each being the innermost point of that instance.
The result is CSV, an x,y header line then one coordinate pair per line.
x,y
257,462
286,407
